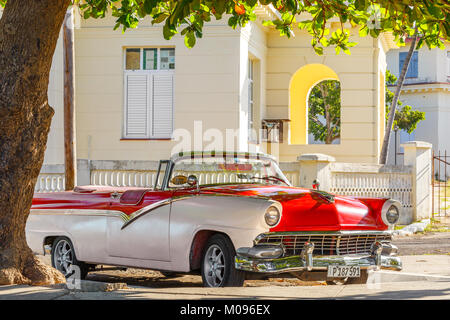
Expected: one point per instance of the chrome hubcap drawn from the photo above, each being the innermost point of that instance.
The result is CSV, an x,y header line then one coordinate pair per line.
x,y
63,258
214,266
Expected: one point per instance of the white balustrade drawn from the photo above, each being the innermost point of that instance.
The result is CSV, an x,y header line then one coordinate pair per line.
x,y
397,186
50,182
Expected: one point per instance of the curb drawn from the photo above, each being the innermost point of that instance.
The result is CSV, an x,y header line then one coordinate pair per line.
x,y
93,286
389,276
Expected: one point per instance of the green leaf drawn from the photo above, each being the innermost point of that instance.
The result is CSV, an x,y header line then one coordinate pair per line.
x,y
160,17
318,50
86,14
363,32
189,39
268,23
168,32
232,21
360,5
149,5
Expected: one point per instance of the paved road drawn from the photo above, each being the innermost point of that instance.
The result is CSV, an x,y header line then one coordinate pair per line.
x,y
430,243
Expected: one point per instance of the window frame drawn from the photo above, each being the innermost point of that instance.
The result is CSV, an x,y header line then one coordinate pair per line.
x,y
126,72
141,58
400,65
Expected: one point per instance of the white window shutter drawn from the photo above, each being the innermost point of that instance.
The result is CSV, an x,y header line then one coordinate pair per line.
x,y
137,112
162,111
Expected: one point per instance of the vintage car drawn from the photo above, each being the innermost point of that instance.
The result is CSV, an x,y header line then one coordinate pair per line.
x,y
230,216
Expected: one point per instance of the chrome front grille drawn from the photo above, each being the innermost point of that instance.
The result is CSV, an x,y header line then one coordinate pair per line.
x,y
325,244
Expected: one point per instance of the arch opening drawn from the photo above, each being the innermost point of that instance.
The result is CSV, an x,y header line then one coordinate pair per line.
x,y
300,86
324,113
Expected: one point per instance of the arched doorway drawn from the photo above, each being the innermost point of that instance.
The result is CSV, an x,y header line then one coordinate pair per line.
x,y
303,80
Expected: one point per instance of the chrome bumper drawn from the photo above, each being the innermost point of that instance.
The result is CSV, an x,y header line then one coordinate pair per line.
x,y
268,259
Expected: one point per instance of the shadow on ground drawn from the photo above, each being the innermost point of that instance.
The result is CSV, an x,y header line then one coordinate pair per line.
x,y
154,279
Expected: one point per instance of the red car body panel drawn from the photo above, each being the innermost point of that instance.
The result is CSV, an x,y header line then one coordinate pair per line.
x,y
96,200
303,209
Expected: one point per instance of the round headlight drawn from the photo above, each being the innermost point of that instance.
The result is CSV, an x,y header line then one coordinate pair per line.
x,y
392,215
272,216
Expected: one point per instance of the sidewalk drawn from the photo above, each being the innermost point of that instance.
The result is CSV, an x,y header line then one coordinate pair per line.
x,y
397,290
427,264
423,269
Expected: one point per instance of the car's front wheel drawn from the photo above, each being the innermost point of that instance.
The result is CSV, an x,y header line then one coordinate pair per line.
x,y
64,259
217,267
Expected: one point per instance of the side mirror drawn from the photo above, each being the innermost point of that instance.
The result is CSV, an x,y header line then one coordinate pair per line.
x,y
179,180
192,181
316,184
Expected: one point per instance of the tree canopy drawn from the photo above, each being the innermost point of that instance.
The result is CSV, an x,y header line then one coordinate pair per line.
x,y
188,17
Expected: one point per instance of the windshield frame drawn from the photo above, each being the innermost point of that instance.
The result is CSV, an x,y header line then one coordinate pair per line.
x,y
219,155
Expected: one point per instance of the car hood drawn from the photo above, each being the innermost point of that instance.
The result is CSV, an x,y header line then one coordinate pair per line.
x,y
310,210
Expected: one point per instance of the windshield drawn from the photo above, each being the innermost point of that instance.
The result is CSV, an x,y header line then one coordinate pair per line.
x,y
229,170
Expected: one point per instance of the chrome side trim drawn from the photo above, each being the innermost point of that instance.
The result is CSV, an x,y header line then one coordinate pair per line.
x,y
80,212
143,211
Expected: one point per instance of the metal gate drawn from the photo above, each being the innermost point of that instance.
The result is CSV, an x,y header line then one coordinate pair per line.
x,y
440,186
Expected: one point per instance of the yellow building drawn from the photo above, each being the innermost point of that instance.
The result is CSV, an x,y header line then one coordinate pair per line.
x,y
137,94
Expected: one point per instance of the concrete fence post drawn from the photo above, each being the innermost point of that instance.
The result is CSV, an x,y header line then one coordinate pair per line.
x,y
83,172
418,156
315,166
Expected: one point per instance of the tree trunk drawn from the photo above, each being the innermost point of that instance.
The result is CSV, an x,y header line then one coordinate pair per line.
x,y
29,30
398,88
328,135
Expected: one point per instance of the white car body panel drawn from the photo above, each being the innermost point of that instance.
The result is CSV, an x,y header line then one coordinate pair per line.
x,y
147,238
160,239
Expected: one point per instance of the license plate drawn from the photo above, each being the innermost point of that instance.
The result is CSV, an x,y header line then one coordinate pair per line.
x,y
336,271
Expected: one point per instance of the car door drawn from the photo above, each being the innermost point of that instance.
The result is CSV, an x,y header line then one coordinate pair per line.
x,y
144,232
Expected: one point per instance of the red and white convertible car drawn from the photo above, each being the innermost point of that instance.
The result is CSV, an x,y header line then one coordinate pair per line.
x,y
254,224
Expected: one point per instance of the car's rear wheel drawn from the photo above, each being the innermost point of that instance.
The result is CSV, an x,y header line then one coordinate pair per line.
x,y
217,267
64,259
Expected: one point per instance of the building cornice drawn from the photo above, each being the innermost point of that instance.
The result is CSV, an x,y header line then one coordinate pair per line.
x,y
423,87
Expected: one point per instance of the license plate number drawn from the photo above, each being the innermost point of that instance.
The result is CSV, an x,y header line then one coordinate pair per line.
x,y
335,271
